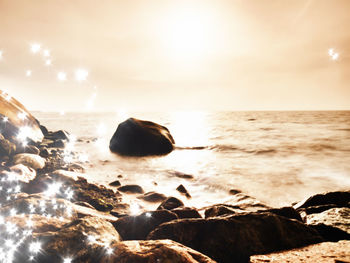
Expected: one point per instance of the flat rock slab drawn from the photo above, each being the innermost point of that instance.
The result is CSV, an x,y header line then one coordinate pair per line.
x,y
335,217
327,252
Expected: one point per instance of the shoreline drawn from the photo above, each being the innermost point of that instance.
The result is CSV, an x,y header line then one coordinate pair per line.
x,y
51,212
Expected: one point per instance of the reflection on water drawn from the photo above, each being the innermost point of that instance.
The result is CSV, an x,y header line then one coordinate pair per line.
x,y
189,128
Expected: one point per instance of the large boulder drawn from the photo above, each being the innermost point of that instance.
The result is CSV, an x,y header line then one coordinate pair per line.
x,y
235,238
14,116
135,137
138,227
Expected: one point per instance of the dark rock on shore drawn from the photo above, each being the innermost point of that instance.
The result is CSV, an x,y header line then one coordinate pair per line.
x,y
186,212
115,183
338,198
135,137
131,188
152,197
138,227
235,238
183,191
170,203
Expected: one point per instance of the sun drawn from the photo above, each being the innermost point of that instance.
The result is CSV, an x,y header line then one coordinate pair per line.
x,y
188,34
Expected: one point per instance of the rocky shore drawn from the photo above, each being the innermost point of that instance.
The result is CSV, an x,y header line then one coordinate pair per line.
x,y
50,212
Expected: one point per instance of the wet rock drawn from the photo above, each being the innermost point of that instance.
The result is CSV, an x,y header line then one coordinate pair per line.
x,y
235,238
7,148
335,217
152,197
140,138
131,188
138,227
31,160
327,252
183,190
115,183
338,198
17,116
186,212
170,203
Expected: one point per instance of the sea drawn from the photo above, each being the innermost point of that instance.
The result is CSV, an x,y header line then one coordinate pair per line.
x,y
276,157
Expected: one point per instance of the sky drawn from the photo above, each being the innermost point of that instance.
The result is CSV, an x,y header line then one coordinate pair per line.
x,y
176,55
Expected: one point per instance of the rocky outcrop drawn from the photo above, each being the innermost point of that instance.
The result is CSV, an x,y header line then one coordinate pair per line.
x,y
235,238
170,203
14,116
135,137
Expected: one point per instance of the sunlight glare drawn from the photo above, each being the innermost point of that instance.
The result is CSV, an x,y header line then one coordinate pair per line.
x,y
188,34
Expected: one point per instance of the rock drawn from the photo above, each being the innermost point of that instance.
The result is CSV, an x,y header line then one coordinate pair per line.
x,y
335,217
84,238
234,191
31,160
131,188
326,252
31,149
181,175
44,130
44,152
120,210
138,227
57,144
224,210
246,203
22,173
152,197
17,117
7,148
170,203
183,190
186,212
330,233
135,137
158,251
221,210
338,198
58,135
115,183
236,237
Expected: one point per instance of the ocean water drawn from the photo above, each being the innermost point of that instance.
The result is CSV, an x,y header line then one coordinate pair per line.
x,y
276,157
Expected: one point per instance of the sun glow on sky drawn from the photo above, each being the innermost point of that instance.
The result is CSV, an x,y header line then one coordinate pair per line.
x,y
190,33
